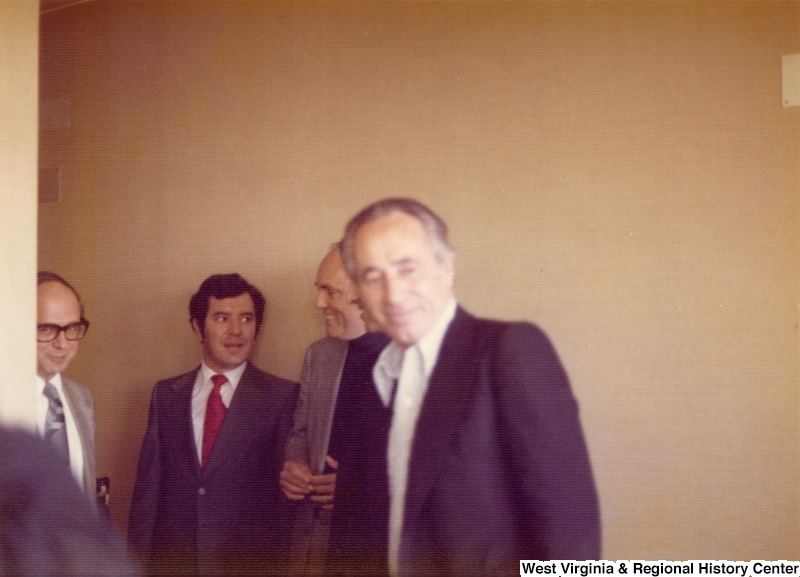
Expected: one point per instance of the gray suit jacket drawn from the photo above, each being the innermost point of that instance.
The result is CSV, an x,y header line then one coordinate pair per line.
x,y
308,443
81,405
313,417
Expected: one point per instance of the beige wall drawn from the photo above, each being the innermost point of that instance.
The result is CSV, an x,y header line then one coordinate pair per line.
x,y
19,81
622,174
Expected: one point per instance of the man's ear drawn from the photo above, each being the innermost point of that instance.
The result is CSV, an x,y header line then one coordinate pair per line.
x,y
197,330
449,269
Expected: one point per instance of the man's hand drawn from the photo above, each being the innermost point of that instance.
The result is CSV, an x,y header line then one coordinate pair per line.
x,y
295,480
324,486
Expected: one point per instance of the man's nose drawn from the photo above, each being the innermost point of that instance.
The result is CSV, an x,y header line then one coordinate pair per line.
x,y
322,300
235,326
393,289
61,340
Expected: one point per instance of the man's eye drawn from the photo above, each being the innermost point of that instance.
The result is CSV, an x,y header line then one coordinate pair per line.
x,y
248,319
220,318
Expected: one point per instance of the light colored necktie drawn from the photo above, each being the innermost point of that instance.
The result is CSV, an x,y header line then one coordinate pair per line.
x,y
55,429
215,413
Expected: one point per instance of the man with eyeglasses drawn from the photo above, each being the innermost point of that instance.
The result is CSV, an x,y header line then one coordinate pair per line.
x,y
64,409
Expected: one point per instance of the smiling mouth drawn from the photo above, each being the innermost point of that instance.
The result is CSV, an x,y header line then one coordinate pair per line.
x,y
398,317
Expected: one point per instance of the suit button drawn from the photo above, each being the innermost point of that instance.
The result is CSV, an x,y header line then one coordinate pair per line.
x,y
202,491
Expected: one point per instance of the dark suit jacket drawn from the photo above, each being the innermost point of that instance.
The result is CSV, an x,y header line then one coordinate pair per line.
x,y
47,526
359,524
230,518
499,468
81,405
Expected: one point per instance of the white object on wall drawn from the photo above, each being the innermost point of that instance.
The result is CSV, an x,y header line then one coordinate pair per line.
x,y
791,80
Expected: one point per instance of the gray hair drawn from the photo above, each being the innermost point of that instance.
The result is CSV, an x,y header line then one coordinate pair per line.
x,y
431,222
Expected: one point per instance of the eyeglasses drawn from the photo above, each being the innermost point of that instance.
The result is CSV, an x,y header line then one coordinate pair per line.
x,y
49,332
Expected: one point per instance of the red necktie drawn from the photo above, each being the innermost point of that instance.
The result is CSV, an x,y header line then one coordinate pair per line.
x,y
215,413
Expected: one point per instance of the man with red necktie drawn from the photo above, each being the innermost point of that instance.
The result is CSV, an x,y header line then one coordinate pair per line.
x,y
206,499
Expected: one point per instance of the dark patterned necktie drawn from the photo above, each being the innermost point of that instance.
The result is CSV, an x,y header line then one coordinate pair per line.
x,y
55,429
215,413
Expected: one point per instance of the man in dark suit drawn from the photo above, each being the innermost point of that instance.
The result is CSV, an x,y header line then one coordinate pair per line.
x,y
487,463
66,421
206,499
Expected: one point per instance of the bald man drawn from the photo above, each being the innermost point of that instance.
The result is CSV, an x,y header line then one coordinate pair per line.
x,y
64,409
336,383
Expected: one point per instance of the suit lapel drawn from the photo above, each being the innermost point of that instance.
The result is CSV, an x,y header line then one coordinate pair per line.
x,y
82,414
449,391
181,411
330,365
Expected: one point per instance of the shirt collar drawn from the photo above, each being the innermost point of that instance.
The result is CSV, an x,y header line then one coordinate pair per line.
x,y
430,344
233,376
387,369
56,380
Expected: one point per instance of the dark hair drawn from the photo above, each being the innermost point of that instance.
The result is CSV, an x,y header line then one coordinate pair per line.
x,y
433,224
223,286
44,276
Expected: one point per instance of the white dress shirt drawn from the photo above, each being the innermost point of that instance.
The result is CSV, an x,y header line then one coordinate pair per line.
x,y
411,369
73,437
202,389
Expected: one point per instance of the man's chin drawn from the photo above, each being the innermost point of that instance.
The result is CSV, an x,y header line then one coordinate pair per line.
x,y
48,373
403,337
333,329
231,362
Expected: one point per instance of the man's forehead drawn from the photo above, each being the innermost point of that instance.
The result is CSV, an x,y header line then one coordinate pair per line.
x,y
396,236
242,301
331,273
